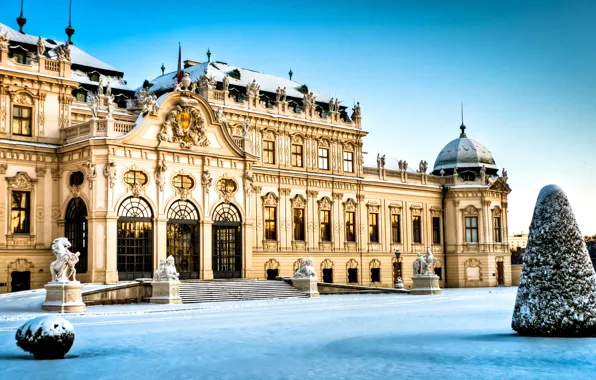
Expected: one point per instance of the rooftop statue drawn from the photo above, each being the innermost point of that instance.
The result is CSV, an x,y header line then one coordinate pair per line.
x,y
306,269
423,167
109,90
226,83
94,105
253,88
3,40
41,47
356,110
100,88
63,268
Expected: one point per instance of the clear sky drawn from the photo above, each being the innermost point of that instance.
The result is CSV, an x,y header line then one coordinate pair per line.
x,y
525,70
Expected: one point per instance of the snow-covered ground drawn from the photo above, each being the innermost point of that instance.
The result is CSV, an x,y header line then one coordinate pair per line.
x,y
462,334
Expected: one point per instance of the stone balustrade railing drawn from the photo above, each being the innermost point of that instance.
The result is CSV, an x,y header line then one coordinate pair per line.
x,y
36,64
281,108
96,128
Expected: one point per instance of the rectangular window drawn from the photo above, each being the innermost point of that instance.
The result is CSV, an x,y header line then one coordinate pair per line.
x,y
270,223
373,227
417,230
299,224
328,275
20,212
297,155
352,275
471,229
269,152
350,226
323,158
349,162
395,228
325,225
21,121
375,274
436,230
81,96
497,229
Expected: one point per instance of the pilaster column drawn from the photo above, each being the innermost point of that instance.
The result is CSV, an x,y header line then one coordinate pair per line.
x,y
161,241
111,251
4,206
247,251
207,249
40,215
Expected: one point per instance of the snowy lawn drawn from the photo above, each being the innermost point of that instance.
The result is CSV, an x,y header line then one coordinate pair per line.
x,y
463,334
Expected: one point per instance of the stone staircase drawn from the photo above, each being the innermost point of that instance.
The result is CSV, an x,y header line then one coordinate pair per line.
x,y
194,291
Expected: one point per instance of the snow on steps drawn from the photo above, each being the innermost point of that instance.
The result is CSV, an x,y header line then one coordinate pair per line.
x,y
193,291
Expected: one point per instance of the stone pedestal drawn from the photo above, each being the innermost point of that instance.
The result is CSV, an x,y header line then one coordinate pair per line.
x,y
165,292
307,286
64,297
426,284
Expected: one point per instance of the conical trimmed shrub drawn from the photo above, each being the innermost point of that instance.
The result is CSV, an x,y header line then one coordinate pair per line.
x,y
557,290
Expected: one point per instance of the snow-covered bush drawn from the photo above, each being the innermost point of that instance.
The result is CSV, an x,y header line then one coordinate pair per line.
x,y
47,337
557,290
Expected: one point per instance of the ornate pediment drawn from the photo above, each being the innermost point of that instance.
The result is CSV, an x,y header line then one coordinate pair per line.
x,y
270,199
350,205
471,210
21,181
184,125
325,204
298,202
500,185
23,98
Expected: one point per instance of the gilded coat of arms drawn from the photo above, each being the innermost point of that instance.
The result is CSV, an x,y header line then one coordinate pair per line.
x,y
185,125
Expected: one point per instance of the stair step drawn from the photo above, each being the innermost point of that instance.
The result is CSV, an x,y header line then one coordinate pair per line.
x,y
195,291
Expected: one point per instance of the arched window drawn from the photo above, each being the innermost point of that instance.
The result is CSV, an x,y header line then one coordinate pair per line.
x,y
135,239
76,231
183,238
227,242
226,212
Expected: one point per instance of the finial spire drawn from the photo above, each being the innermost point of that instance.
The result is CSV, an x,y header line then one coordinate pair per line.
x,y
291,73
69,29
21,20
208,55
163,69
462,126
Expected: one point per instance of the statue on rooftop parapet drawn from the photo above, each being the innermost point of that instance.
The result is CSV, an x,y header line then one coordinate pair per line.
x,y
423,167
226,83
505,174
3,40
357,112
483,174
63,52
253,88
378,161
109,90
94,105
41,47
100,87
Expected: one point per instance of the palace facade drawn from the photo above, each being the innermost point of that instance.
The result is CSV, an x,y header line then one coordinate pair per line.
x,y
236,173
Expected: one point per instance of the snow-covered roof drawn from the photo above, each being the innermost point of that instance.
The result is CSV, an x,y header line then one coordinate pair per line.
x,y
218,70
464,153
115,82
78,56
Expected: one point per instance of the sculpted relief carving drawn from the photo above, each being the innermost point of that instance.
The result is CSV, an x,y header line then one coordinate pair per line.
x,y
184,125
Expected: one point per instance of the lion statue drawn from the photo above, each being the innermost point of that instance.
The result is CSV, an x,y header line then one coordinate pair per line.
x,y
63,268
306,270
167,270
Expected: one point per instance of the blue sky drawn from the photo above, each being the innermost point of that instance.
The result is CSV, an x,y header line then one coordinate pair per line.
x,y
525,70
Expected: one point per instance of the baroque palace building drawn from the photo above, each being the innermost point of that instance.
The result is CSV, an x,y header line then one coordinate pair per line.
x,y
236,173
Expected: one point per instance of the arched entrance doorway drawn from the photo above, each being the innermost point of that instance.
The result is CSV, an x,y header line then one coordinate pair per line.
x,y
76,231
135,239
183,238
227,242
